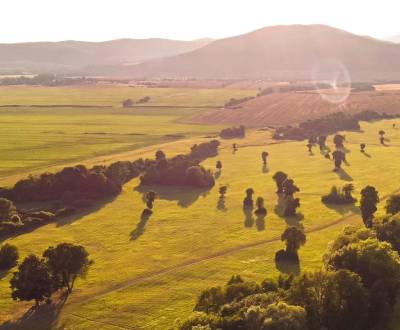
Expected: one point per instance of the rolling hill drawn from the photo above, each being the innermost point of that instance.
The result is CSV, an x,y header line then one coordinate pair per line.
x,y
75,56
282,52
395,39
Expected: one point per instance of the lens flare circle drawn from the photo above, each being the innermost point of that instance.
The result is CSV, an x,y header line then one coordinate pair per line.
x,y
335,74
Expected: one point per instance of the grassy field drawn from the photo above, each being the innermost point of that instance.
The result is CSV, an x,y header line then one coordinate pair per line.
x,y
35,138
146,279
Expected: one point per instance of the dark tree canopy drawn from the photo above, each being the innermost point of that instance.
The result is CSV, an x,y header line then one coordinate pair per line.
x,y
8,256
393,204
279,178
32,281
369,199
67,262
294,239
338,140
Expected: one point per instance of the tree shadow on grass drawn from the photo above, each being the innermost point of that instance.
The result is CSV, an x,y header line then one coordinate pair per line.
x,y
260,223
265,169
248,217
185,196
343,175
217,174
82,212
140,227
287,263
366,154
44,317
221,206
343,209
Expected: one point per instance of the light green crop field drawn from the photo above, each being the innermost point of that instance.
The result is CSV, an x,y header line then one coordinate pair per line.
x,y
187,245
38,137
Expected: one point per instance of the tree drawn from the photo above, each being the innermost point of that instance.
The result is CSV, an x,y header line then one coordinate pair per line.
x,y
332,300
382,136
7,209
393,204
294,239
67,262
264,156
388,230
322,142
218,165
32,281
369,199
248,200
338,157
309,146
210,300
289,188
160,155
222,191
127,103
279,177
291,205
347,192
261,211
338,141
282,316
150,197
8,256
362,147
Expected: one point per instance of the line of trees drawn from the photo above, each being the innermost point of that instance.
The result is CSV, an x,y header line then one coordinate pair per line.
x,y
37,278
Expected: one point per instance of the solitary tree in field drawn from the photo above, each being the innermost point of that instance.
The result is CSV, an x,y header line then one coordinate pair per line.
x,y
32,281
248,201
261,211
309,146
67,262
338,141
382,136
218,165
279,177
362,147
127,103
234,147
369,199
264,156
322,142
338,157
294,239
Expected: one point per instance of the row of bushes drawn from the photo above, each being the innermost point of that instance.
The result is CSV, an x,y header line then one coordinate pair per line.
x,y
233,132
293,88
129,102
45,80
326,125
235,102
182,170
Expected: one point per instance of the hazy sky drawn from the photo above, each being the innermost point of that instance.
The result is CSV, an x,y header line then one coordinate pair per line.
x,y
96,20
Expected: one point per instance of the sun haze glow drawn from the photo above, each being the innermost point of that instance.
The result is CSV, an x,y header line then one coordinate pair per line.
x,y
97,20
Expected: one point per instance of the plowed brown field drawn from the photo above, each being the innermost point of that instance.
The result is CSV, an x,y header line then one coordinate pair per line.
x,y
294,107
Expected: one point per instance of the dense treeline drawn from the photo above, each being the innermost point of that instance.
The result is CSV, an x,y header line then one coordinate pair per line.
x,y
327,125
45,80
357,289
293,88
182,170
233,132
66,191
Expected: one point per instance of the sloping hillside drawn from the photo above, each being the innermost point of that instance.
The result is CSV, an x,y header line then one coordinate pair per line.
x,y
282,52
289,108
70,56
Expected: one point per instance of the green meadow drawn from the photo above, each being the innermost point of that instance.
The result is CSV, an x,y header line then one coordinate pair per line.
x,y
34,138
146,275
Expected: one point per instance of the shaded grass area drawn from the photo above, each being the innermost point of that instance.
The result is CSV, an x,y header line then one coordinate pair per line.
x,y
180,231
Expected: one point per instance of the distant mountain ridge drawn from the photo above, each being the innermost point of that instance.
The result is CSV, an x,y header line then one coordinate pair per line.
x,y
74,56
395,39
280,52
